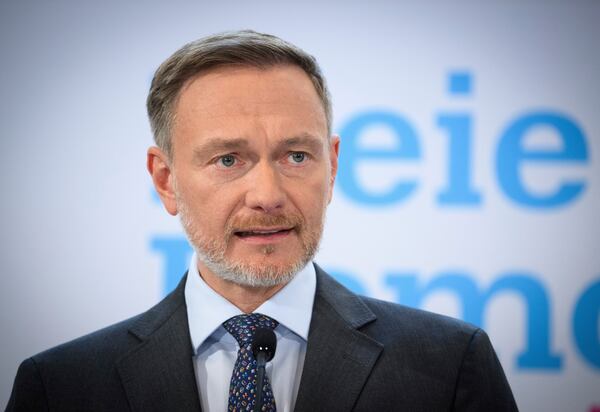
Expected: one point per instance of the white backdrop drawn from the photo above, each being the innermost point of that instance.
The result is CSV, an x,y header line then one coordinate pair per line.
x,y
483,113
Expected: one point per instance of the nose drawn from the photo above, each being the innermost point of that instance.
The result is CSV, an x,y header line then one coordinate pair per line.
x,y
265,190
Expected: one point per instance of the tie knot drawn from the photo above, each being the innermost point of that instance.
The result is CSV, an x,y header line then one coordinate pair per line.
x,y
242,327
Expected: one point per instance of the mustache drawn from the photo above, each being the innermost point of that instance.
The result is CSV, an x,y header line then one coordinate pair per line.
x,y
241,224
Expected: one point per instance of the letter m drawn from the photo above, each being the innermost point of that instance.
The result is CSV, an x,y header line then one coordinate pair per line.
x,y
473,300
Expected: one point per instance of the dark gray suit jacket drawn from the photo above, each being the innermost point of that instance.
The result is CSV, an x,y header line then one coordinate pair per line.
x,y
362,355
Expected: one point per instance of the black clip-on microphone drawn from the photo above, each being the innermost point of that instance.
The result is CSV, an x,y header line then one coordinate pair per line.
x,y
263,349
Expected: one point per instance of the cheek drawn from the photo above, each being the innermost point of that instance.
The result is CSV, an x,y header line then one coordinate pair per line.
x,y
313,197
215,208
208,205
197,206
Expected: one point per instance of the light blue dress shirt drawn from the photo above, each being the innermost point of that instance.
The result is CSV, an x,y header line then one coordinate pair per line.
x,y
215,350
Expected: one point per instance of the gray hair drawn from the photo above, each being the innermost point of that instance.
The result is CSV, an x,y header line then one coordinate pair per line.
x,y
239,48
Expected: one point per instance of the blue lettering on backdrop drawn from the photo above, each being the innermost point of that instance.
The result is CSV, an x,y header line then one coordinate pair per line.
x,y
537,354
585,324
511,155
459,126
459,190
348,281
473,301
176,253
460,83
407,148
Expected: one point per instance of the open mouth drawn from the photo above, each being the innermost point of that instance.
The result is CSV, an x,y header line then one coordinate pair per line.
x,y
263,233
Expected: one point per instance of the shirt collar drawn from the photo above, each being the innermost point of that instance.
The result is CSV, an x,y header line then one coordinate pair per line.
x,y
207,310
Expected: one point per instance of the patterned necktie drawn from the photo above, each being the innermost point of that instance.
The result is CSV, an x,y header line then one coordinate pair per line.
x,y
242,389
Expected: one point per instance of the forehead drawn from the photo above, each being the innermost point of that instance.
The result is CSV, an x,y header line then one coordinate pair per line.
x,y
244,101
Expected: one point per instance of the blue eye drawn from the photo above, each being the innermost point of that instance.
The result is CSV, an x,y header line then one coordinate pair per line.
x,y
298,157
227,160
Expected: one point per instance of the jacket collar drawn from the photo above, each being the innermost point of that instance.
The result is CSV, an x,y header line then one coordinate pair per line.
x,y
158,374
339,358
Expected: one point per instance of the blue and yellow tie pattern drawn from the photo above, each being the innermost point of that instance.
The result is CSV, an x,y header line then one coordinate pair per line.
x,y
242,389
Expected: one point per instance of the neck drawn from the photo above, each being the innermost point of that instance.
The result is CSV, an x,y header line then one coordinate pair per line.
x,y
245,298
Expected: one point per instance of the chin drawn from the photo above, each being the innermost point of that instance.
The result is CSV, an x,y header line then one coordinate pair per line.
x,y
262,272
263,277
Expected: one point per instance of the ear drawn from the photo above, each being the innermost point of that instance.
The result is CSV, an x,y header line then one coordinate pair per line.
x,y
159,166
334,152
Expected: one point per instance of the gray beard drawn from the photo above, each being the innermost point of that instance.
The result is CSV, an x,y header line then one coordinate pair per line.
x,y
264,277
212,254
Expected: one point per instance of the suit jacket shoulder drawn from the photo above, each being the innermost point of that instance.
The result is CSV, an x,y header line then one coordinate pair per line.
x,y
362,354
377,355
401,325
143,363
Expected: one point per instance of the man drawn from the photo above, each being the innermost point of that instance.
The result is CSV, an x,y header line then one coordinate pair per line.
x,y
245,156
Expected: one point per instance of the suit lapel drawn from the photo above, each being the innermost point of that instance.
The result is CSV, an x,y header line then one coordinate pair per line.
x,y
339,358
158,375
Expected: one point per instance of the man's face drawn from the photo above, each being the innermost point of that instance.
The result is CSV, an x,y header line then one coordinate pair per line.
x,y
252,171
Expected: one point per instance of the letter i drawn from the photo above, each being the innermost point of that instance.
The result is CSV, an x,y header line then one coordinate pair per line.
x,y
459,189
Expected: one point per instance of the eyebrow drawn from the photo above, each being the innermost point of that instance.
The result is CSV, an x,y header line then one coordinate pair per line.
x,y
219,144
307,140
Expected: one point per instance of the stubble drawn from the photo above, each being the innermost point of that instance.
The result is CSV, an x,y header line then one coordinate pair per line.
x,y
212,251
